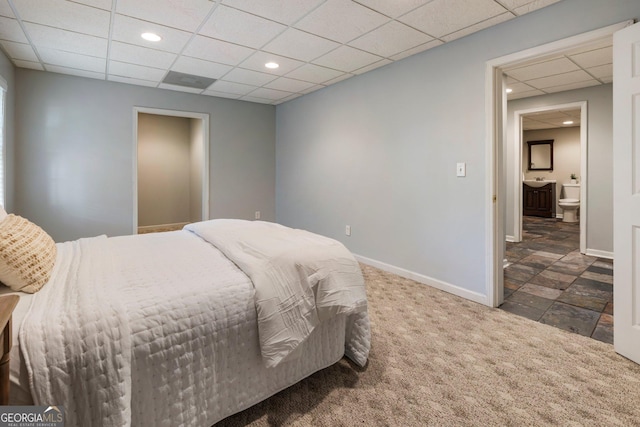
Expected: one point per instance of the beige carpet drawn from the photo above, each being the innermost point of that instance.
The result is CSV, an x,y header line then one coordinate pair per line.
x,y
440,360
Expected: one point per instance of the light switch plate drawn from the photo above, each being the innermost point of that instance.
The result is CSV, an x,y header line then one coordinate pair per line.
x,y
461,169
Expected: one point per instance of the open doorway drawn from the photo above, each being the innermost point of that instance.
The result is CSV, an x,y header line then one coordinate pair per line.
x,y
171,169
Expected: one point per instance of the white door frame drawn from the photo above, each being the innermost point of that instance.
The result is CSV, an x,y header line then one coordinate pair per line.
x,y
205,154
517,158
494,99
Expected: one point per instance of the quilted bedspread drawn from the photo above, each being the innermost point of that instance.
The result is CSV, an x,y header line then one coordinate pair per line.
x,y
161,330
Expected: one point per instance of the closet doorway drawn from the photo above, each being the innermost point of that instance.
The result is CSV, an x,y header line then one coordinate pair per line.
x,y
171,169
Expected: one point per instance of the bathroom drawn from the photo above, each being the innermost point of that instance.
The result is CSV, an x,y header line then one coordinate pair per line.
x,y
556,158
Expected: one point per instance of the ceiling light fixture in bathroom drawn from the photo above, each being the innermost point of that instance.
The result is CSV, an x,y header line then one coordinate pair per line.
x,y
568,122
272,65
509,90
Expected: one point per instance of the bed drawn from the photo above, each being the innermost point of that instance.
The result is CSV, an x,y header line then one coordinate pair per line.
x,y
185,327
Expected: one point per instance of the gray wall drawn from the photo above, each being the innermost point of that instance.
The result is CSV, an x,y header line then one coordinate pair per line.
x,y
379,151
599,159
74,153
7,71
164,175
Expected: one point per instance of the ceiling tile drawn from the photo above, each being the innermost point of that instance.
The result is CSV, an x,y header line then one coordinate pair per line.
x,y
391,39
559,79
602,71
220,94
199,67
314,73
186,15
392,8
572,86
128,30
606,42
441,17
512,4
231,25
347,59
256,99
417,49
28,64
284,11
55,38
271,94
289,85
543,69
594,58
372,66
217,51
341,20
64,14
299,45
519,87
133,54
479,26
288,98
314,88
257,60
5,10
179,88
534,5
10,30
75,72
231,87
100,4
129,80
72,60
249,77
338,79
135,71
21,51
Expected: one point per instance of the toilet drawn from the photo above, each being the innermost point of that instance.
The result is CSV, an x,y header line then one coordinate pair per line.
x,y
570,202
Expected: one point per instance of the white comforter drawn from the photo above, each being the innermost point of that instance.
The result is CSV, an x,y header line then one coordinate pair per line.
x,y
300,278
160,330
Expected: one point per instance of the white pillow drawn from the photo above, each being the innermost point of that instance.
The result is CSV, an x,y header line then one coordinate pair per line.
x,y
27,254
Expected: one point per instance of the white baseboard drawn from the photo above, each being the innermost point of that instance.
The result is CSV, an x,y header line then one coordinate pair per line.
x,y
599,253
559,215
510,239
434,283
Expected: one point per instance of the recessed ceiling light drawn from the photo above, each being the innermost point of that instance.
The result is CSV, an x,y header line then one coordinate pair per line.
x,y
152,37
568,122
509,90
271,65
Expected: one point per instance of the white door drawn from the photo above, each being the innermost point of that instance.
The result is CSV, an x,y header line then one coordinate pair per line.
x,y
626,191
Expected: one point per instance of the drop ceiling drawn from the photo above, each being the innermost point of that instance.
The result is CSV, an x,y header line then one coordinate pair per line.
x,y
586,66
315,42
551,119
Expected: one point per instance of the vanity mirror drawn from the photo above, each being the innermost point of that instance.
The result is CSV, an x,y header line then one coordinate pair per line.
x,y
541,155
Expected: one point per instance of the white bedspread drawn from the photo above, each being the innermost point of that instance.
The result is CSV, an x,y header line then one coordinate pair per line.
x,y
300,279
160,330
80,341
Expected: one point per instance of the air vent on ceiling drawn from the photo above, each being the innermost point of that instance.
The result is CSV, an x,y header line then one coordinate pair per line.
x,y
187,80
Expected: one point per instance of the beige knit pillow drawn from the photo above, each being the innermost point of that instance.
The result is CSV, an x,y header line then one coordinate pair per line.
x,y
27,254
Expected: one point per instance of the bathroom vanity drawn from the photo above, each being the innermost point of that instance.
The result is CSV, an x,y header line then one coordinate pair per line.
x,y
539,198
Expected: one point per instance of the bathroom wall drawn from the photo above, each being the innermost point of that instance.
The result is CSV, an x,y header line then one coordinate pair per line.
x,y
566,156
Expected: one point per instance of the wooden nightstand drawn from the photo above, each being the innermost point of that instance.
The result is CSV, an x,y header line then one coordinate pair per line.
x,y
7,304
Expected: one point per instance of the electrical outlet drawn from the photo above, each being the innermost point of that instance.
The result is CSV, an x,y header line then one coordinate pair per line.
x,y
257,214
347,230
461,169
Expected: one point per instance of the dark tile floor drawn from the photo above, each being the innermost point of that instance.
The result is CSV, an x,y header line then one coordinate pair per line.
x,y
548,280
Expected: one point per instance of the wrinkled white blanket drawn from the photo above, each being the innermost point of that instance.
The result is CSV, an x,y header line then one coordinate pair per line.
x,y
300,279
82,337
